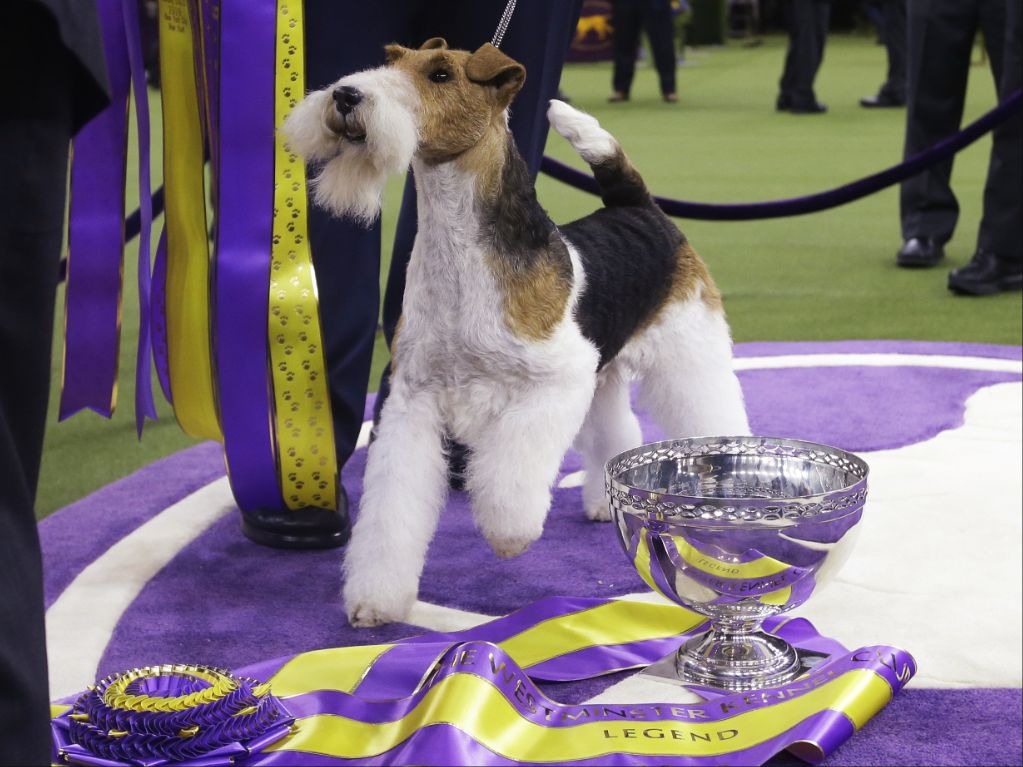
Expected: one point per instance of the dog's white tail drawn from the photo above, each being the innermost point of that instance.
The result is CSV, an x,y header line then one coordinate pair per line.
x,y
583,132
620,183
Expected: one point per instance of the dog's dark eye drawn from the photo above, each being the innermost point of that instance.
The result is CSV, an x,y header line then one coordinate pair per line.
x,y
440,76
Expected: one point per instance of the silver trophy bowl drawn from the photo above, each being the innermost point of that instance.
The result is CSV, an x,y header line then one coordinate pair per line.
x,y
736,529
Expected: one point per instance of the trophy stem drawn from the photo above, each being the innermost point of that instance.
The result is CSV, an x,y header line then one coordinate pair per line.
x,y
736,654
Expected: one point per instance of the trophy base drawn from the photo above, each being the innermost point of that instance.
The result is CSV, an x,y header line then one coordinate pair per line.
x,y
734,662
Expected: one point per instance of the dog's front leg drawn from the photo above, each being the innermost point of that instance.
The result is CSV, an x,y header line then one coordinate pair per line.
x,y
513,465
405,487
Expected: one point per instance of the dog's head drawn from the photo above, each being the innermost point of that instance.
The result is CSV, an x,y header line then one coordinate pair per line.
x,y
433,102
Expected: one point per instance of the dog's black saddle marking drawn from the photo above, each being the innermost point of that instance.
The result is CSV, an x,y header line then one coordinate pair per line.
x,y
629,254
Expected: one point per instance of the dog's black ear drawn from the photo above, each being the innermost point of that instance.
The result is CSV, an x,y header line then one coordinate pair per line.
x,y
434,43
393,52
489,66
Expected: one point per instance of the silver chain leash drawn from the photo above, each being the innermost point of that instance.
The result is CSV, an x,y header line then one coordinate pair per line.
x,y
502,25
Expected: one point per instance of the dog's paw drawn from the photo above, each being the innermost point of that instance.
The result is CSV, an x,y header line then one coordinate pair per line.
x,y
365,616
376,603
598,512
506,548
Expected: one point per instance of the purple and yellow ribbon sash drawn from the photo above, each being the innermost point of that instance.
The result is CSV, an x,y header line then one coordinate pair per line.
x,y
471,697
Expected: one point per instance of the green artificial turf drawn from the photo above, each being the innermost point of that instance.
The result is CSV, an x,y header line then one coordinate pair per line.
x,y
824,276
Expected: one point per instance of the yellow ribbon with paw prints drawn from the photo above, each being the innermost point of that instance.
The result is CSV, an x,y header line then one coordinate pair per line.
x,y
303,425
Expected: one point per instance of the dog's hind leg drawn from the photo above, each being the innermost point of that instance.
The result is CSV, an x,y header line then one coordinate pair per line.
x,y
405,487
687,380
514,463
610,428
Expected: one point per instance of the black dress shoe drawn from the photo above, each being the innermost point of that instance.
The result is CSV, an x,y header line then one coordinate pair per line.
x,y
813,108
985,275
783,103
920,252
308,528
882,100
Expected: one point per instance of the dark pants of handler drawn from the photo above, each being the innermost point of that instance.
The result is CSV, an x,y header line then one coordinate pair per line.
x,y
895,43
941,37
629,18
808,33
47,97
343,37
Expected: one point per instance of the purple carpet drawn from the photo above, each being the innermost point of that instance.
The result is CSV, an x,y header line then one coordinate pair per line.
x,y
225,601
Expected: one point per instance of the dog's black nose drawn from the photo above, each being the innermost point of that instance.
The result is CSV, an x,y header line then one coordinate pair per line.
x,y
346,98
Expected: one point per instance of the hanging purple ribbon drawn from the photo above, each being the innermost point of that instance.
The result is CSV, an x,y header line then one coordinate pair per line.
x,y
144,404
96,237
158,317
209,18
245,190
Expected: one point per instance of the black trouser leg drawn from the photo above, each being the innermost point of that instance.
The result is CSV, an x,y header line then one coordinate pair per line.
x,y
626,21
35,129
807,23
999,231
940,35
895,45
821,17
660,29
342,38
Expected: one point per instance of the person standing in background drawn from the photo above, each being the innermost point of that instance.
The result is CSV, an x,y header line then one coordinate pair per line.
x,y
628,19
808,32
997,264
893,92
51,57
941,39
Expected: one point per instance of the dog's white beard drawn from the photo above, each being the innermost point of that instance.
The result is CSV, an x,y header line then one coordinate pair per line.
x,y
305,130
351,181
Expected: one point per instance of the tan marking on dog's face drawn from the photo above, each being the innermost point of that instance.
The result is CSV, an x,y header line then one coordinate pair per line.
x,y
535,299
461,94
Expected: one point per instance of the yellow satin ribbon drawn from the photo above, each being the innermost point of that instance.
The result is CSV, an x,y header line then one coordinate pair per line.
x,y
304,429
116,694
479,709
614,623
188,255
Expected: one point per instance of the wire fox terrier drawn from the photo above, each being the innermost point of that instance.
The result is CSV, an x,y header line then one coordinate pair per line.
x,y
518,338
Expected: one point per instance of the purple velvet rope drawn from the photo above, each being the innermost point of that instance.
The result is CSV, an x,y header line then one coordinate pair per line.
x,y
144,404
798,206
772,209
96,237
245,185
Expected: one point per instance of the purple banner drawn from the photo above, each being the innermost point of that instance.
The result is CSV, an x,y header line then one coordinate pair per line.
x,y
158,317
145,407
96,238
245,188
